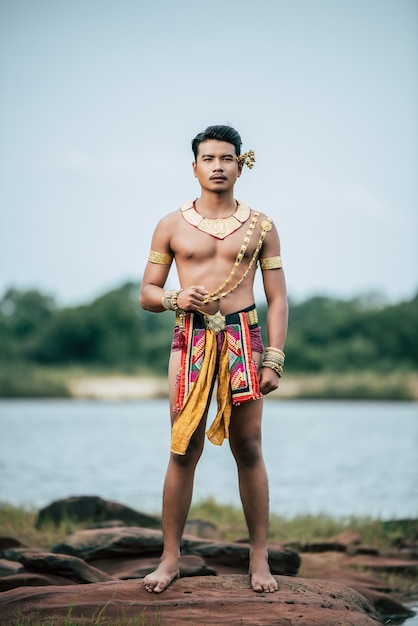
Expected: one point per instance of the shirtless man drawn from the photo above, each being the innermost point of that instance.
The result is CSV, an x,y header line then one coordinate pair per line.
x,y
216,243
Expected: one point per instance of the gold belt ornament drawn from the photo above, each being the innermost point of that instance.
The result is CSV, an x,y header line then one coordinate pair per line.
x,y
217,322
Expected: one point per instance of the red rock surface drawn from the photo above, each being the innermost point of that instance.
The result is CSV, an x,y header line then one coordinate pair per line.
x,y
208,600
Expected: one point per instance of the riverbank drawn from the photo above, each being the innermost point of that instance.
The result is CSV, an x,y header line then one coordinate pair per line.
x,y
366,386
23,381
89,540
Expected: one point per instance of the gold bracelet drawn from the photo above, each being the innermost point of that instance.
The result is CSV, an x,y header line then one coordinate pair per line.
x,y
275,353
174,297
274,359
169,299
274,366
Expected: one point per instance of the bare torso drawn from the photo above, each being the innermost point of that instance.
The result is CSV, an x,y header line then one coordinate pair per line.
x,y
202,259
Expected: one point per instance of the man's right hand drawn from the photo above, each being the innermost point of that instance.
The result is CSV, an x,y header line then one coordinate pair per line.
x,y
192,298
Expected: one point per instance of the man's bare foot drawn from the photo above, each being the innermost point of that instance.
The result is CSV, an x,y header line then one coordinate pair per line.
x,y
260,575
162,577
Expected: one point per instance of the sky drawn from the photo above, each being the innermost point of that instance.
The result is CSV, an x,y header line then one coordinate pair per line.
x,y
100,99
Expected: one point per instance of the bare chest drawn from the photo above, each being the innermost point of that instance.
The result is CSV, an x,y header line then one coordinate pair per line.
x,y
190,244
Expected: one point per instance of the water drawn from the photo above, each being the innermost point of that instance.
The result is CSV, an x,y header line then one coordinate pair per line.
x,y
338,458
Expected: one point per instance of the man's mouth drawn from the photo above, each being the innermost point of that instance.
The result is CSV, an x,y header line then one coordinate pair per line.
x,y
218,177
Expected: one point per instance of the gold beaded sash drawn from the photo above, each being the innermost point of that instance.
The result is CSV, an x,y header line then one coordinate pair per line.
x,y
220,292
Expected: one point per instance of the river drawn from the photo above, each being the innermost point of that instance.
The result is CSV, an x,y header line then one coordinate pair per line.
x,y
334,457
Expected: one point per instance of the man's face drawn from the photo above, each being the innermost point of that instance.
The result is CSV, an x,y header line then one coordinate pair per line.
x,y
216,165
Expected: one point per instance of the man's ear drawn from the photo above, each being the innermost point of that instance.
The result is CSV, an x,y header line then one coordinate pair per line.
x,y
240,166
194,169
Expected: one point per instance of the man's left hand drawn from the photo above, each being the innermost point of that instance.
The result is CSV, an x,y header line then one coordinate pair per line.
x,y
269,380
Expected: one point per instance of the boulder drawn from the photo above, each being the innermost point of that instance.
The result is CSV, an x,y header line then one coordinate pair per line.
x,y
282,560
14,554
31,579
101,543
211,600
94,509
67,566
9,542
9,567
132,567
201,528
111,542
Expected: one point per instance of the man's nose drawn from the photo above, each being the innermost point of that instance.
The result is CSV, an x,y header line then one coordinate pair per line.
x,y
217,165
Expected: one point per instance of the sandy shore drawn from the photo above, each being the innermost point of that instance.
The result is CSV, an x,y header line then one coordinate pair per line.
x,y
140,388
119,388
122,387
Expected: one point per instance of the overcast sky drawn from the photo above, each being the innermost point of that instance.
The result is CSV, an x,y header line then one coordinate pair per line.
x,y
100,100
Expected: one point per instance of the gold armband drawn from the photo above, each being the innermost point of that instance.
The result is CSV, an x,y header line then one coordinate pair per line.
x,y
272,263
162,258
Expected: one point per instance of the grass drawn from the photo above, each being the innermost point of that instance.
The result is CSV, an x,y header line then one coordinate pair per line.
x,y
308,528
20,523
21,380
149,616
360,385
97,619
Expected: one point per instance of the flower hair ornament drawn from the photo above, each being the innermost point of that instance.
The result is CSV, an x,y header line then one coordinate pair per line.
x,y
247,159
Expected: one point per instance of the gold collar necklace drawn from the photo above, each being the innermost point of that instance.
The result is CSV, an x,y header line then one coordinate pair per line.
x,y
219,227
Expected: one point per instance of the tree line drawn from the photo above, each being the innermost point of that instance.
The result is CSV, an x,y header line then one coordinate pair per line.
x,y
112,331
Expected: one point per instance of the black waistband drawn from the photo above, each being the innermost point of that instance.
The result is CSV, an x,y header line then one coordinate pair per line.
x,y
230,318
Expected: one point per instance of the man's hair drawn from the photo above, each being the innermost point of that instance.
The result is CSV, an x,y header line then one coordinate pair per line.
x,y
220,133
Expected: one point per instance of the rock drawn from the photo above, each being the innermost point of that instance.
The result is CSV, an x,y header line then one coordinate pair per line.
x,y
281,560
407,567
128,568
368,550
9,567
14,554
321,546
403,553
67,566
110,542
31,579
336,567
211,600
346,538
94,509
201,528
9,542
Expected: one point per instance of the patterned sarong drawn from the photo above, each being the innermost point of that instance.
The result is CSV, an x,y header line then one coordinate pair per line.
x,y
206,353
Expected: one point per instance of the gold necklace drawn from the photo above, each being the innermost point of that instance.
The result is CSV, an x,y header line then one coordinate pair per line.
x,y
219,227
265,228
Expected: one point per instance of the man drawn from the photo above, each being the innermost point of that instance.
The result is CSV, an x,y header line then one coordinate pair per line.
x,y
216,242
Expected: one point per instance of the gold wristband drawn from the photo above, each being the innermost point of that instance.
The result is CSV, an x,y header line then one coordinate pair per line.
x,y
274,359
169,299
271,263
274,366
161,258
174,297
275,351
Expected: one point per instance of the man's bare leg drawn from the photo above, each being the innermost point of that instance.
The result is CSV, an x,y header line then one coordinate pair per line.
x,y
245,442
178,487
177,496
